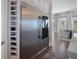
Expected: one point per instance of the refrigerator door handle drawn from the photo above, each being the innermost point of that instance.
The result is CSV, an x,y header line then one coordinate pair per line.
x,y
39,37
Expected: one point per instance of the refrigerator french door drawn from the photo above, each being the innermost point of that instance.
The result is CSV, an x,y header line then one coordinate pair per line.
x,y
29,31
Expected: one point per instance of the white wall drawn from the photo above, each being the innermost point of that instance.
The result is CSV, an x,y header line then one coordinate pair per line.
x,y
63,5
4,29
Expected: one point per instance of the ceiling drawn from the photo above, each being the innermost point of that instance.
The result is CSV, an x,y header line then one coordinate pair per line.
x,y
57,5
63,5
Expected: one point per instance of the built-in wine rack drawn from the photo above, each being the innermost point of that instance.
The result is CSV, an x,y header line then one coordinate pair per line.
x,y
14,29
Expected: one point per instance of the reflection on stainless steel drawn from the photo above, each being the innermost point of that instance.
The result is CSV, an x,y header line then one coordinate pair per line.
x,y
31,29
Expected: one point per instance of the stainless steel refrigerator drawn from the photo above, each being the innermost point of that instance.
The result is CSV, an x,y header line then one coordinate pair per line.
x,y
34,33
